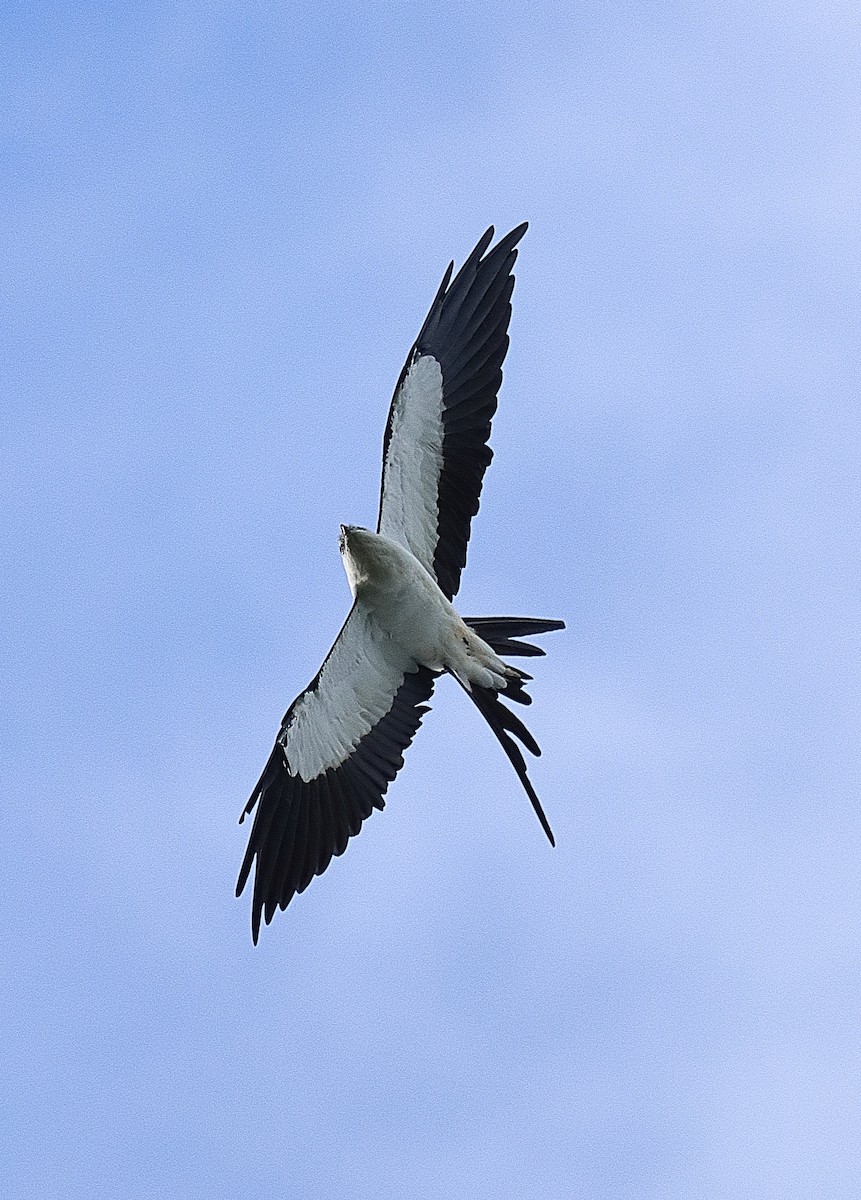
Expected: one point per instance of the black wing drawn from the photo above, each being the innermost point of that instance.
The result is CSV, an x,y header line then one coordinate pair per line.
x,y
435,449
340,746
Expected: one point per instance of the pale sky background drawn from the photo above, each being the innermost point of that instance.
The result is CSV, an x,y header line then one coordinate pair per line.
x,y
222,226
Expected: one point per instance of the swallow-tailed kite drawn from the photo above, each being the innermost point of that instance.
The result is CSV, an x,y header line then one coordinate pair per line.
x,y
342,740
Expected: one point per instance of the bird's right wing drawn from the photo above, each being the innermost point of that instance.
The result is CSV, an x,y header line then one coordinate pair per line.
x,y
341,744
435,449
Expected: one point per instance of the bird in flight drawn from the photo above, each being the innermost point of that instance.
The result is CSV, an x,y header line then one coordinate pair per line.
x,y
342,740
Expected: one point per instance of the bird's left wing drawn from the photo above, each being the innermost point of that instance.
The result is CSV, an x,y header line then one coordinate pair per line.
x,y
435,448
341,744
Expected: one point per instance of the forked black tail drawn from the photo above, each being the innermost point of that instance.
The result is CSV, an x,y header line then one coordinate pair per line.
x,y
502,634
498,632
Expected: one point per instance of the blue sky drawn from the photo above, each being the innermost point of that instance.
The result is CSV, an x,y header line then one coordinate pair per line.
x,y
222,226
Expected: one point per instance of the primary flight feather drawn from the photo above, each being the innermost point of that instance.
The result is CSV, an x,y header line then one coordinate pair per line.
x,y
342,740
